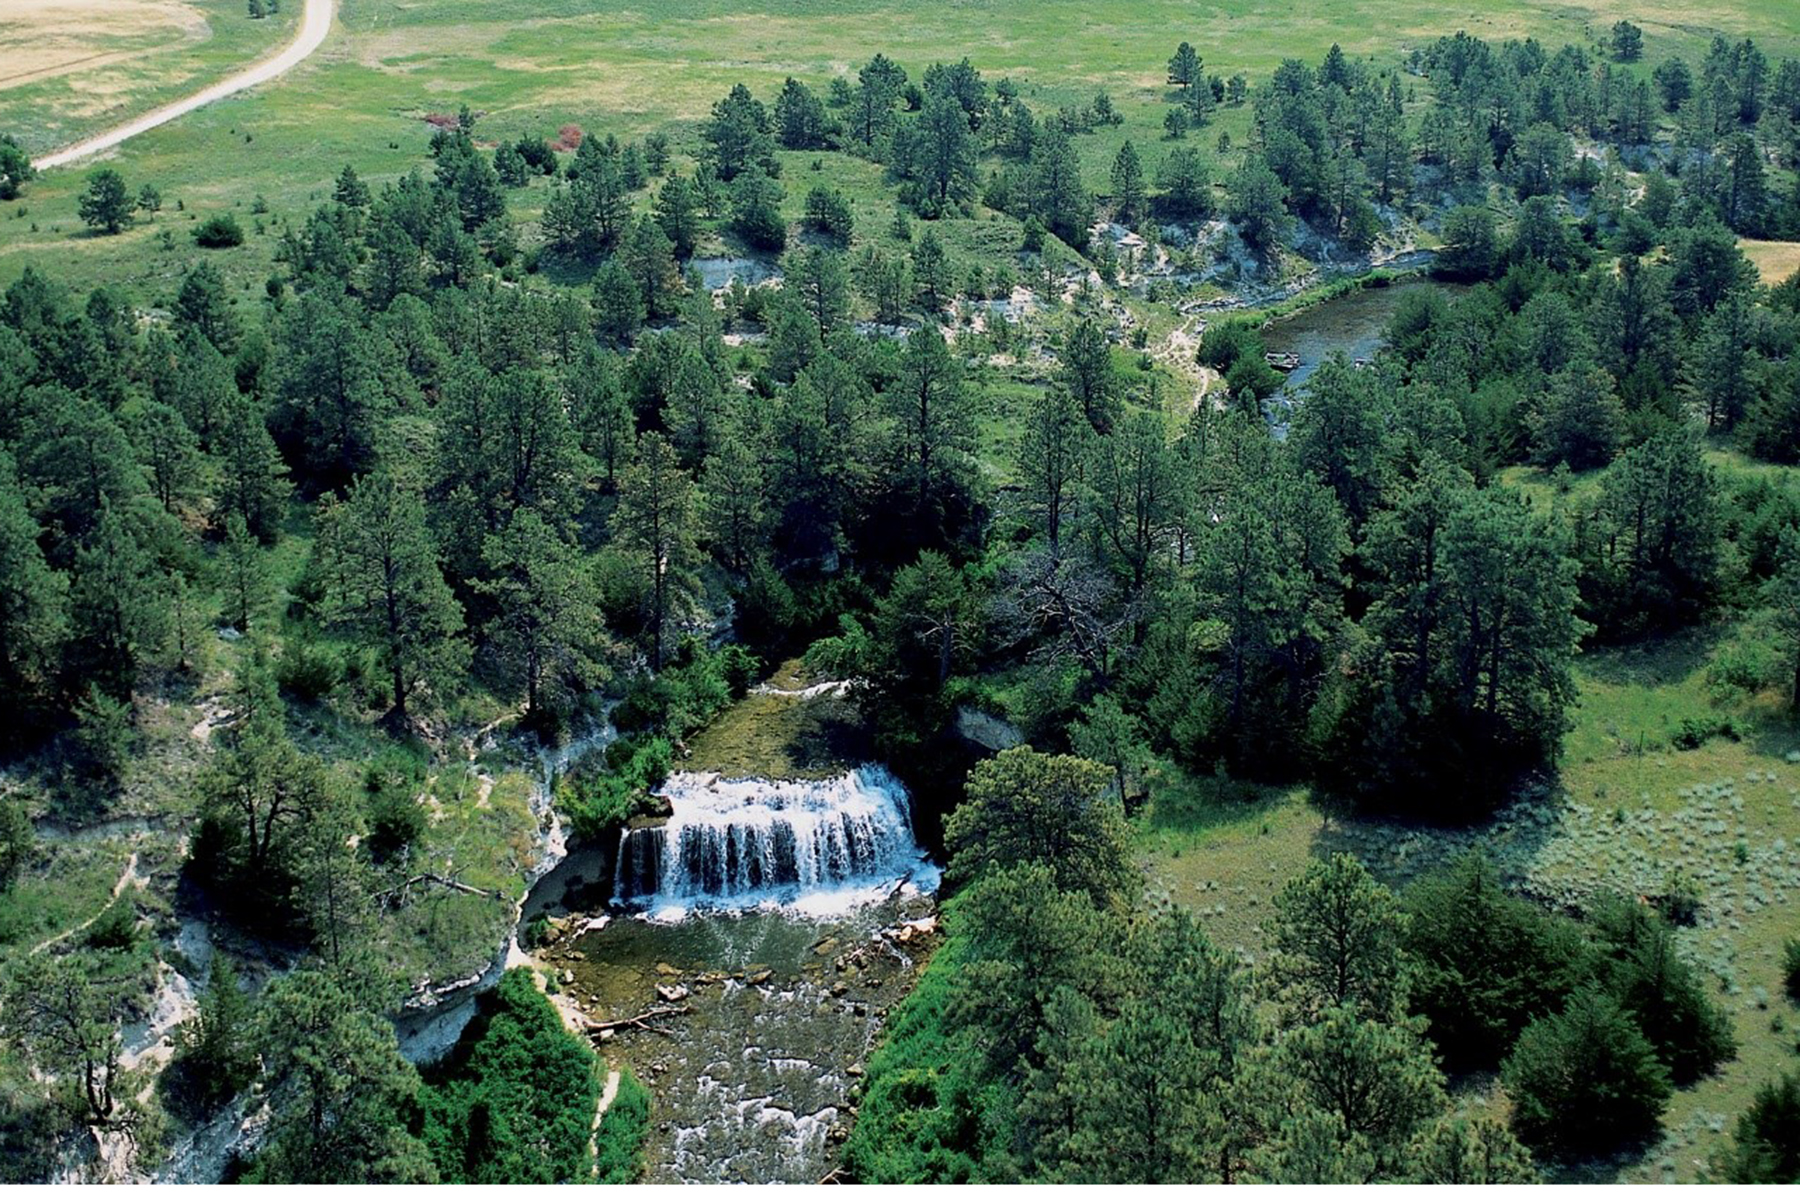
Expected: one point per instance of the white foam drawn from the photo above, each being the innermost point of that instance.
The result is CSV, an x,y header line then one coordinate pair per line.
x,y
816,848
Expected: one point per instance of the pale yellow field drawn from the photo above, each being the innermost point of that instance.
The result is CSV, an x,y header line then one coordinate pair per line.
x,y
69,67
45,38
1774,261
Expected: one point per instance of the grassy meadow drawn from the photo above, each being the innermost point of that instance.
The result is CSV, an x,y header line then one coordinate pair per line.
x,y
71,68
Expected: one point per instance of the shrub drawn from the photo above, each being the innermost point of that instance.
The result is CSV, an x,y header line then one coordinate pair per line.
x,y
687,694
218,233
519,1105
1486,963
392,784
1586,1081
308,670
827,212
115,928
1695,732
1766,1143
1790,968
1660,990
602,802
620,1140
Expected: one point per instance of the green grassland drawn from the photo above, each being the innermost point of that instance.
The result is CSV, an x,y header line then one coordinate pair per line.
x,y
120,60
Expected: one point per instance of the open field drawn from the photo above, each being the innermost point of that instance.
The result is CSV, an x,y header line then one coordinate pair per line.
x,y
72,67
1775,261
536,65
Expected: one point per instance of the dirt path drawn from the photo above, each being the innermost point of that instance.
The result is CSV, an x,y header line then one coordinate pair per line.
x,y
315,24
128,876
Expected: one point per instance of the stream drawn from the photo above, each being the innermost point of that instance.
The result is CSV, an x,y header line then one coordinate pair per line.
x,y
778,921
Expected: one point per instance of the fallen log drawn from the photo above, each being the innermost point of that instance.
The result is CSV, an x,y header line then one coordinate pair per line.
x,y
404,890
640,1021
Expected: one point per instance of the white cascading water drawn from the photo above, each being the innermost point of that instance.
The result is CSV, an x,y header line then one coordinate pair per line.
x,y
741,843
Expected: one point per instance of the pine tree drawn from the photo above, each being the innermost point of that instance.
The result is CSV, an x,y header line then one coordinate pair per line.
x,y
382,583
1184,67
215,1058
33,606
244,579
1052,448
1337,943
547,631
656,524
1130,201
677,211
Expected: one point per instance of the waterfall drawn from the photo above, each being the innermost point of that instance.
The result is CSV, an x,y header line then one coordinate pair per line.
x,y
739,843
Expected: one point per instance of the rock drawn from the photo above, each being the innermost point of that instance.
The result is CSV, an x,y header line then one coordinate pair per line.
x,y
839,988
607,1035
762,976
853,1070
671,993
565,977
663,968
839,1134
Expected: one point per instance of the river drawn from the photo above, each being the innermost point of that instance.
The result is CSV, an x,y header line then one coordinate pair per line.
x,y
1353,324
775,922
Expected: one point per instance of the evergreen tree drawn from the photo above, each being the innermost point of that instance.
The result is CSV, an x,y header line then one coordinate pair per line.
x,y
244,580
1585,1081
215,1057
381,582
1129,198
105,204
1054,810
656,523
33,607
738,136
1337,938
547,630
1052,448
345,1090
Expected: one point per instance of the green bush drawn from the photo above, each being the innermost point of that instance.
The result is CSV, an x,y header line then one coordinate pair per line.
x,y
1659,989
1487,964
1695,732
517,1103
1790,968
1766,1143
688,692
219,233
599,801
115,928
1585,1082
619,1143
308,670
392,784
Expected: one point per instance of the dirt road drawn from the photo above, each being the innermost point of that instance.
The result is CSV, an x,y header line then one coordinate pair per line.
x,y
315,24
